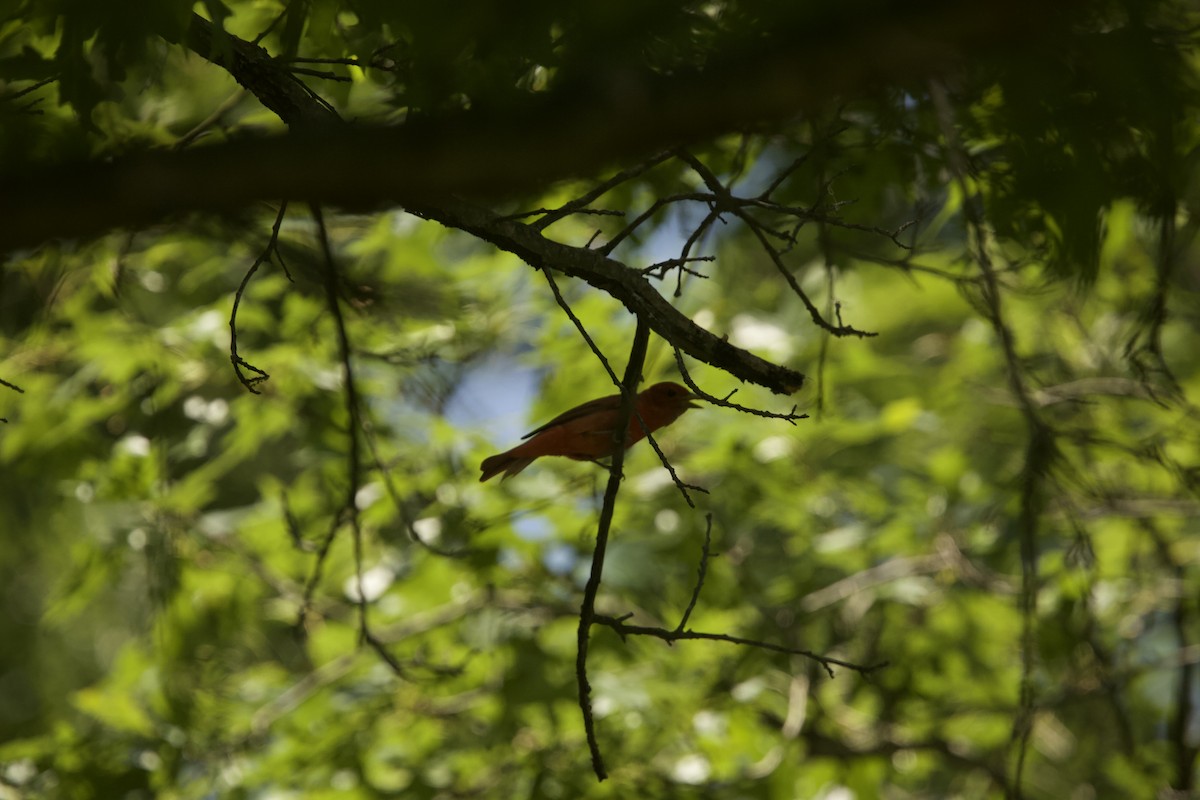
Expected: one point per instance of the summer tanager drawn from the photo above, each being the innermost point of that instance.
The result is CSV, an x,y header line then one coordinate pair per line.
x,y
585,433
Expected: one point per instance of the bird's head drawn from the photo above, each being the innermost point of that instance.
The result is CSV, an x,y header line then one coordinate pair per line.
x,y
670,396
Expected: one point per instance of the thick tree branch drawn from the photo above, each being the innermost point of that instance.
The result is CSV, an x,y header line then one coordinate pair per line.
x,y
267,79
622,282
571,131
299,110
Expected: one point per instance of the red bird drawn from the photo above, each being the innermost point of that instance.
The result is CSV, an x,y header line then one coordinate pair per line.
x,y
585,433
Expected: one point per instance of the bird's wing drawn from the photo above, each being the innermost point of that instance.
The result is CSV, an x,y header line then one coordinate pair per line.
x,y
590,407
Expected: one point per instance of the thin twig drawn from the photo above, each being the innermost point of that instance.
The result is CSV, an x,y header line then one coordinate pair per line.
x,y
725,200
349,510
316,73
212,119
15,388
316,98
654,208
783,175
758,230
237,360
702,573
374,62
619,625
350,388
663,267
562,303
8,98
685,252
314,577
587,198
908,265
724,402
812,215
662,457
596,212
348,62
824,241
397,501
293,525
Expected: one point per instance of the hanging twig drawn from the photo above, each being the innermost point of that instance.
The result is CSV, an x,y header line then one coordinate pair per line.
x,y
702,573
239,362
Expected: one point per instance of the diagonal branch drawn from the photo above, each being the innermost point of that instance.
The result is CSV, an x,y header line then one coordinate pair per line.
x,y
12,386
625,284
702,573
268,80
593,194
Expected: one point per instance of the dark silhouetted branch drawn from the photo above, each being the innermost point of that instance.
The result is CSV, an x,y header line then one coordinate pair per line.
x,y
587,612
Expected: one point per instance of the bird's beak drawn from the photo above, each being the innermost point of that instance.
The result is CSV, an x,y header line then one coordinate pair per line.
x,y
692,401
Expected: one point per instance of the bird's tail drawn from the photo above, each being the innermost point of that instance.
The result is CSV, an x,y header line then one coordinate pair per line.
x,y
504,462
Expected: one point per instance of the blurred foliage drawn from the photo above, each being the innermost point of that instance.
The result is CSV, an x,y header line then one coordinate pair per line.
x,y
161,524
